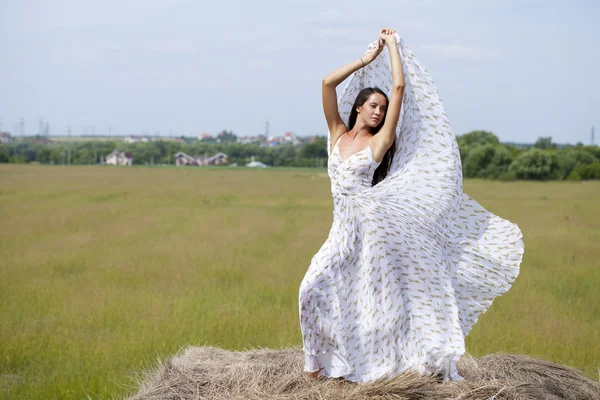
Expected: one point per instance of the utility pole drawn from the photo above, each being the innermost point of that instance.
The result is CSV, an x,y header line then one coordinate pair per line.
x,y
267,129
22,126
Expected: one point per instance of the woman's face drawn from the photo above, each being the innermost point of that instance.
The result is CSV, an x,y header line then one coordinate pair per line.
x,y
373,111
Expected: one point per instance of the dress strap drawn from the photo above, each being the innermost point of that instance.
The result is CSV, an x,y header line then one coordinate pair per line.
x,y
337,141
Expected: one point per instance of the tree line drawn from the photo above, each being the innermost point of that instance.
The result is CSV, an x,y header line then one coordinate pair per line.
x,y
482,155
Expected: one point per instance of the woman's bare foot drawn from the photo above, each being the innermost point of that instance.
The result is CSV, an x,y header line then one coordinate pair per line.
x,y
313,375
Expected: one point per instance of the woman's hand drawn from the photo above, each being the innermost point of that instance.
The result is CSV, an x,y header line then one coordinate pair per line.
x,y
388,36
372,54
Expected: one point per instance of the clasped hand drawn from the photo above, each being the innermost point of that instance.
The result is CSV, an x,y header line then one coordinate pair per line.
x,y
386,37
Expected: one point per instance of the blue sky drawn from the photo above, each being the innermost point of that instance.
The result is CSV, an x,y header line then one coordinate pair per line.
x,y
521,69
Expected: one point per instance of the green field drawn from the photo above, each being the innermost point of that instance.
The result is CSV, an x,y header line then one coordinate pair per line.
x,y
104,269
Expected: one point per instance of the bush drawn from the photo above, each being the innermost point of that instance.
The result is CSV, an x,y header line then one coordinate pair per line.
x,y
571,158
574,176
536,164
508,176
588,171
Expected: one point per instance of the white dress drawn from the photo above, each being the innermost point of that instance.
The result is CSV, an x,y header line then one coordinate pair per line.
x,y
410,263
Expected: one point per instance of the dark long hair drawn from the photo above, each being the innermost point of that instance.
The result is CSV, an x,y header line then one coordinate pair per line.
x,y
383,168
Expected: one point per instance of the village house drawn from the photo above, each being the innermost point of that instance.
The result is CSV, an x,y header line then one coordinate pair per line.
x,y
290,137
5,137
41,141
136,139
252,139
182,159
119,158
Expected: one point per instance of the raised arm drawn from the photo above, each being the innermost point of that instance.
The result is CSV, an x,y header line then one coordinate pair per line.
x,y
330,82
386,135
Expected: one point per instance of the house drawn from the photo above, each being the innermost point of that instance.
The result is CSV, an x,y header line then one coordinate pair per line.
x,y
5,137
218,159
119,158
136,139
41,140
205,136
289,137
251,139
183,159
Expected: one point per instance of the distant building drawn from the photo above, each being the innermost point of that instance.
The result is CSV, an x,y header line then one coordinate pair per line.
x,y
204,136
182,159
119,158
218,159
289,137
136,139
261,139
40,140
6,137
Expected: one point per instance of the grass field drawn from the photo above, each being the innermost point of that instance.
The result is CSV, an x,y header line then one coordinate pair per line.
x,y
104,269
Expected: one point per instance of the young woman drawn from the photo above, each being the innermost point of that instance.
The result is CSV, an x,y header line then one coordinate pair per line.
x,y
410,261
372,121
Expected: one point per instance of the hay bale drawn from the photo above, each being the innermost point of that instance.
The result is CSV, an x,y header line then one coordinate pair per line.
x,y
213,373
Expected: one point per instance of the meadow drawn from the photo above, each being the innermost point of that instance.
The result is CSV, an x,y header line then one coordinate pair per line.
x,y
106,269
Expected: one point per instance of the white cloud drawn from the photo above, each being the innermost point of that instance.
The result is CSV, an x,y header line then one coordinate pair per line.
x,y
459,51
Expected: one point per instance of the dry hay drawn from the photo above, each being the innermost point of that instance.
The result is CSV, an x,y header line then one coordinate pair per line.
x,y
214,373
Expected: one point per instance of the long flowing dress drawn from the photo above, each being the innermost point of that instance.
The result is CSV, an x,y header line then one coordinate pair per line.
x,y
410,263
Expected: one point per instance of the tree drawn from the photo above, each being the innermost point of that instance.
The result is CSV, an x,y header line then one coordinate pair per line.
x,y
536,164
477,160
226,137
477,138
569,159
588,171
544,143
316,149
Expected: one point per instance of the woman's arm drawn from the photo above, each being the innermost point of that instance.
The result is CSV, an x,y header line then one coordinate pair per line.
x,y
330,82
387,133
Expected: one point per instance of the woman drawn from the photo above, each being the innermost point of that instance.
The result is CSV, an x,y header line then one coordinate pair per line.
x,y
410,261
371,117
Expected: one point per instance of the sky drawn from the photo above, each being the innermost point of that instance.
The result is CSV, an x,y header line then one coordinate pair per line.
x,y
520,69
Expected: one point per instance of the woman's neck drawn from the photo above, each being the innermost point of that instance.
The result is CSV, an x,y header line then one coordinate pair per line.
x,y
359,130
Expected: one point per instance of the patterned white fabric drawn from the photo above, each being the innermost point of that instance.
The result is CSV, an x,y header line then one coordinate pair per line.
x,y
410,263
